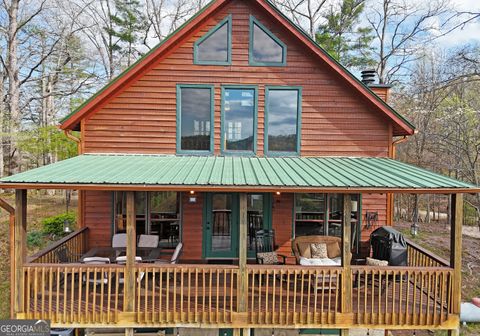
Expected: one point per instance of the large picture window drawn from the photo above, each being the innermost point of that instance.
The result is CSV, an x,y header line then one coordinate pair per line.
x,y
156,213
265,48
322,214
239,115
195,118
282,119
215,46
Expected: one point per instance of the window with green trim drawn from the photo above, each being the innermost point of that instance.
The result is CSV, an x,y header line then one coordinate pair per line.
x,y
239,115
265,48
195,119
215,46
282,118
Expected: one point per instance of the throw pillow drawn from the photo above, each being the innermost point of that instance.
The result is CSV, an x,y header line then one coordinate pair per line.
x,y
304,250
319,250
333,250
376,262
268,258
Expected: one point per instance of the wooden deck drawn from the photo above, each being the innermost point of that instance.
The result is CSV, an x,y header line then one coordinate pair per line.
x,y
208,295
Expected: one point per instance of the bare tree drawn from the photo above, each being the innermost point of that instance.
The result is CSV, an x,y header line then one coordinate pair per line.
x,y
401,28
164,17
305,13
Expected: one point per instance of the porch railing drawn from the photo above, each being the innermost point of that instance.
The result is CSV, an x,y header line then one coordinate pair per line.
x,y
293,295
186,294
75,242
402,295
73,293
421,257
168,295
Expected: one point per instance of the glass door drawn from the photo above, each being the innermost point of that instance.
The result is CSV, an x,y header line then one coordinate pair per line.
x,y
220,229
221,223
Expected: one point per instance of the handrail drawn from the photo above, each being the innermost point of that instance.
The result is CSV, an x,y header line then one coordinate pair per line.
x,y
356,268
52,247
427,256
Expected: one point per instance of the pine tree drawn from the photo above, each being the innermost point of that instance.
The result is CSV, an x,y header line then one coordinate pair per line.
x,y
341,37
128,25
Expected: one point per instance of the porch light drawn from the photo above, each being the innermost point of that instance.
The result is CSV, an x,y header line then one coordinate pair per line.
x,y
67,226
278,193
354,206
414,229
192,192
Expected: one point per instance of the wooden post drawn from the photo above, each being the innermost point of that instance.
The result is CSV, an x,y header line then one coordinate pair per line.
x,y
456,253
20,246
11,210
347,257
130,280
242,285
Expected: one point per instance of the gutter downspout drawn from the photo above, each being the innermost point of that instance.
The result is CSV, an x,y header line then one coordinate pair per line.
x,y
397,142
390,200
80,212
69,135
11,210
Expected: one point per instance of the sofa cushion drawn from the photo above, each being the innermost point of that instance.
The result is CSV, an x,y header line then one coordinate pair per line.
x,y
318,262
268,258
304,250
376,262
333,250
319,250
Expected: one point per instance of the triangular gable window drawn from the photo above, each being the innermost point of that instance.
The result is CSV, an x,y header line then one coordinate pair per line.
x,y
265,48
215,46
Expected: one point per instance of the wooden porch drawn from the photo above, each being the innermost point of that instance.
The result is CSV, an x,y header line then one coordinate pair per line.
x,y
208,295
424,294
419,295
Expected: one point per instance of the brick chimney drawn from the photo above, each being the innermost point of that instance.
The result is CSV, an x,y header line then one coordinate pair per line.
x,y
381,90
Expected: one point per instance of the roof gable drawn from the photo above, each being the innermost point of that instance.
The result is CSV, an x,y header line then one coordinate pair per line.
x,y
147,62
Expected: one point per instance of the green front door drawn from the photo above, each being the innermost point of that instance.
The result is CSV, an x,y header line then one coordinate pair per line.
x,y
221,223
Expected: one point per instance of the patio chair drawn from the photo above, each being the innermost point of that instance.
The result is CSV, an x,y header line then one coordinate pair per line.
x,y
265,248
148,241
122,260
175,256
119,240
101,277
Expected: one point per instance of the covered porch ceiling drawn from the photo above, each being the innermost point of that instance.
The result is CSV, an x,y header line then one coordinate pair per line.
x,y
241,174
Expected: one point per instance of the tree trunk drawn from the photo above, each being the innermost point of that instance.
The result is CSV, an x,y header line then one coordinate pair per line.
x,y
13,119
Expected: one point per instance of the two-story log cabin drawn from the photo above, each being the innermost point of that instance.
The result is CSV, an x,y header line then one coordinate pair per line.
x,y
238,122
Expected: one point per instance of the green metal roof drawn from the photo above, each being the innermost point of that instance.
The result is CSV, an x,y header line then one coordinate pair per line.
x,y
216,172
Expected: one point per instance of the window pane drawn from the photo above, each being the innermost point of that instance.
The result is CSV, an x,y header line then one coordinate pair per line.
x,y
215,47
282,120
222,219
157,213
164,217
255,218
239,110
309,214
195,118
265,48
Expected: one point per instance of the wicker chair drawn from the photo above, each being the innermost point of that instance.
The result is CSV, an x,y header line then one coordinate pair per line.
x,y
301,245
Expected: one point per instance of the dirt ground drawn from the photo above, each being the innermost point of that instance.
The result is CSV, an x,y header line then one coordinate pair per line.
x,y
39,206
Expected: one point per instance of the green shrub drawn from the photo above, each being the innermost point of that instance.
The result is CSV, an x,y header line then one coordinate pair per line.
x,y
54,225
35,239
